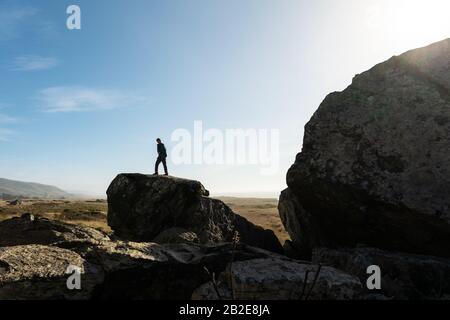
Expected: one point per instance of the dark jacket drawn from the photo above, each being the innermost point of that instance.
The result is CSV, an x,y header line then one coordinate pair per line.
x,y
162,153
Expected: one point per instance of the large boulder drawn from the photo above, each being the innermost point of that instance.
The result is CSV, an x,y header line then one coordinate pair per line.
x,y
375,166
141,207
403,276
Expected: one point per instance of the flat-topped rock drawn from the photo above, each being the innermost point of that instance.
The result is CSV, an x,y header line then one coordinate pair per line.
x,y
141,207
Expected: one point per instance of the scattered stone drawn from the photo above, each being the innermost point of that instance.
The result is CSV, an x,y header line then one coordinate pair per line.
x,y
15,203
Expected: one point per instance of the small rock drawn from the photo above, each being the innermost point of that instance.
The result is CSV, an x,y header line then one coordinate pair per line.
x,y
27,217
176,235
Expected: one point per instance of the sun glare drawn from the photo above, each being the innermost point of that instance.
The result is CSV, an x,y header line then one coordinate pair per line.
x,y
411,22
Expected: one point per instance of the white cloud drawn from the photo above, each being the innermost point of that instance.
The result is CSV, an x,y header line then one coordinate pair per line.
x,y
5,134
12,19
35,63
81,99
4,119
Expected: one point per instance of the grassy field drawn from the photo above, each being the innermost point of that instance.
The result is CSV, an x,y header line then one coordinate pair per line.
x,y
262,212
93,213
88,213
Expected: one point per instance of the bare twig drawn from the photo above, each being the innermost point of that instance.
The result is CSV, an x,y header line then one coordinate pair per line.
x,y
230,271
214,282
305,280
314,282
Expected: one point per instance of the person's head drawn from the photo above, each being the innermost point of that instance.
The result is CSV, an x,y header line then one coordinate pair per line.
x,y
158,140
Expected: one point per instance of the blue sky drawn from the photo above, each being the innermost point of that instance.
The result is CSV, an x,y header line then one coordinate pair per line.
x,y
78,107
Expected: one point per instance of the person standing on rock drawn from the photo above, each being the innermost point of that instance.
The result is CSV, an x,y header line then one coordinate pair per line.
x,y
162,156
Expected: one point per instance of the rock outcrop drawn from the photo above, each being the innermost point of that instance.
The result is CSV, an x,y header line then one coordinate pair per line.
x,y
36,272
130,270
375,166
279,279
31,230
403,276
141,207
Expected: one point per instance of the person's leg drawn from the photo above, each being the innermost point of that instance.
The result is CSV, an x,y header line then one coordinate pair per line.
x,y
158,161
164,162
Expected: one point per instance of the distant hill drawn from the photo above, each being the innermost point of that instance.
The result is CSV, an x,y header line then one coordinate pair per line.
x,y
14,189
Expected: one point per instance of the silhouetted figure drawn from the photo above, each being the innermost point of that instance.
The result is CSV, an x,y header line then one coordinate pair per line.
x,y
162,156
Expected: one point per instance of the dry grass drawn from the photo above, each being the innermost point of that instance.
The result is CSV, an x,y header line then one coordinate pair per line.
x,y
93,213
87,213
262,212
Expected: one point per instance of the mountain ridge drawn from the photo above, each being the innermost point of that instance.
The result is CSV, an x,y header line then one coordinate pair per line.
x,y
13,188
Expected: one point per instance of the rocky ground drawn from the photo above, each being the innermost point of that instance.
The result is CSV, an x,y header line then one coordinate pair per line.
x,y
35,266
